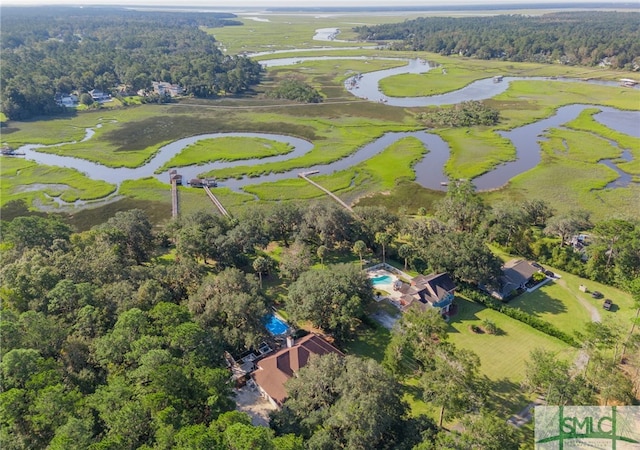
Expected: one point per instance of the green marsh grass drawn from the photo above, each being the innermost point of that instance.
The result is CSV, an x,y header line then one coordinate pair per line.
x,y
475,151
455,73
227,149
374,173
568,177
585,122
19,176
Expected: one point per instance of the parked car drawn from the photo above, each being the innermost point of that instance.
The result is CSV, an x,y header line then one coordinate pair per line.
x,y
596,294
607,304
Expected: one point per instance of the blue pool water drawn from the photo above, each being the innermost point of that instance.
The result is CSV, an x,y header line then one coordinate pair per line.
x,y
382,279
274,325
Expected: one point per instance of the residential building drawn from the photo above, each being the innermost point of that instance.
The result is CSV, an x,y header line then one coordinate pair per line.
x,y
435,290
164,88
515,276
274,371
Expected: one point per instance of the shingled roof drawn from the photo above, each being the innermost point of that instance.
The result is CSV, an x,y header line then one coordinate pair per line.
x,y
275,370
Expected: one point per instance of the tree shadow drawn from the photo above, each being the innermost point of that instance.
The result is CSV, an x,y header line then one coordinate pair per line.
x,y
466,312
538,303
506,397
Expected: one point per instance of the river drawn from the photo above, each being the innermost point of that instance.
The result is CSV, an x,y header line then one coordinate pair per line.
x,y
429,171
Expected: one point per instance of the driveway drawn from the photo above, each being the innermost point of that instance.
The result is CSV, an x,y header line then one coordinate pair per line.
x,y
249,400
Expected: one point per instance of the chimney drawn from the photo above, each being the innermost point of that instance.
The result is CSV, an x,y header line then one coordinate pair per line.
x,y
289,341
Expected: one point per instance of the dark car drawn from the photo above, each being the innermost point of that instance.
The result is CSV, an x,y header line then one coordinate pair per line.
x,y
607,304
596,294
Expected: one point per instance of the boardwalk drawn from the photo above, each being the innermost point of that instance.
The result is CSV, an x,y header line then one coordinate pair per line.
x,y
304,176
174,198
216,202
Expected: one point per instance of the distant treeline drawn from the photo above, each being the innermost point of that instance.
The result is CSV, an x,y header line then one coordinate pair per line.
x,y
582,38
45,51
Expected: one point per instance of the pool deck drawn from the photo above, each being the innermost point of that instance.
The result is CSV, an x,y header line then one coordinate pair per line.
x,y
395,274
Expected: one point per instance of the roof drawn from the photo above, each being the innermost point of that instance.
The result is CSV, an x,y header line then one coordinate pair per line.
x,y
437,285
518,271
273,371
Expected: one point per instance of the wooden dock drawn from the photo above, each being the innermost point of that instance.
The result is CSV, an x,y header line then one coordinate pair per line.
x,y
216,202
174,198
304,176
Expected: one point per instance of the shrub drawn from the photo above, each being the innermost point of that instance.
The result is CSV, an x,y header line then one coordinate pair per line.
x,y
297,90
489,326
538,277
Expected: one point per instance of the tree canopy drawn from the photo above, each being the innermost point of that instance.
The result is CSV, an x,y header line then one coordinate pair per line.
x,y
564,37
57,50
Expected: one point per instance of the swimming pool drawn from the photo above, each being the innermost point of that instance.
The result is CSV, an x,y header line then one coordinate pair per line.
x,y
274,325
382,279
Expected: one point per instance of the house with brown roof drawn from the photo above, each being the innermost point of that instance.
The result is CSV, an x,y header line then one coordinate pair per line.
x,y
435,290
274,371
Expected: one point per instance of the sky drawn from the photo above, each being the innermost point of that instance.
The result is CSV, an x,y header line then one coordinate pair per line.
x,y
292,3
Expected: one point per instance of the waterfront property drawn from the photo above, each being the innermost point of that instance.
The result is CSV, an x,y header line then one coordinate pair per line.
x,y
274,371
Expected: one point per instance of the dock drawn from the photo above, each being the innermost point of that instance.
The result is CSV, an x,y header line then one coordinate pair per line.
x,y
305,176
174,198
216,202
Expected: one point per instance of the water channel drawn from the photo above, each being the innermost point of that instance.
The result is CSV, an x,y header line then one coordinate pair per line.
x,y
429,171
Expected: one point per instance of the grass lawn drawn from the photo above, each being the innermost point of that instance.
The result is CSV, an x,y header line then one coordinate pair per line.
x,y
502,355
557,304
620,315
369,342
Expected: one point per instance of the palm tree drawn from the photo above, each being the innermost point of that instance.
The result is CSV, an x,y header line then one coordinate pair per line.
x,y
260,265
383,239
359,247
322,252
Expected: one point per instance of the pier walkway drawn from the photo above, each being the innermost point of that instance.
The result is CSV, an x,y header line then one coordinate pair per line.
x,y
216,202
304,176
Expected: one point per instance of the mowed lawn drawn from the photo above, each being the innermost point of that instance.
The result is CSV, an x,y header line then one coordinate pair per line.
x,y
556,303
503,355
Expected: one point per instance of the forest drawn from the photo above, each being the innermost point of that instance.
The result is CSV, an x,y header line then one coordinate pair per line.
x,y
573,38
114,337
61,50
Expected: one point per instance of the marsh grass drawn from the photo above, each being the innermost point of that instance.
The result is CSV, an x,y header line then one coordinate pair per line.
x,y
461,71
227,149
475,151
568,177
26,180
408,195
342,124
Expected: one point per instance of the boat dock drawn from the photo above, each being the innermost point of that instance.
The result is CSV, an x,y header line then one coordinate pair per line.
x,y
216,202
304,176
174,197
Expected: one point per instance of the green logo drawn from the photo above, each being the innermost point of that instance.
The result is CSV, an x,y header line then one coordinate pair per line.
x,y
594,427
